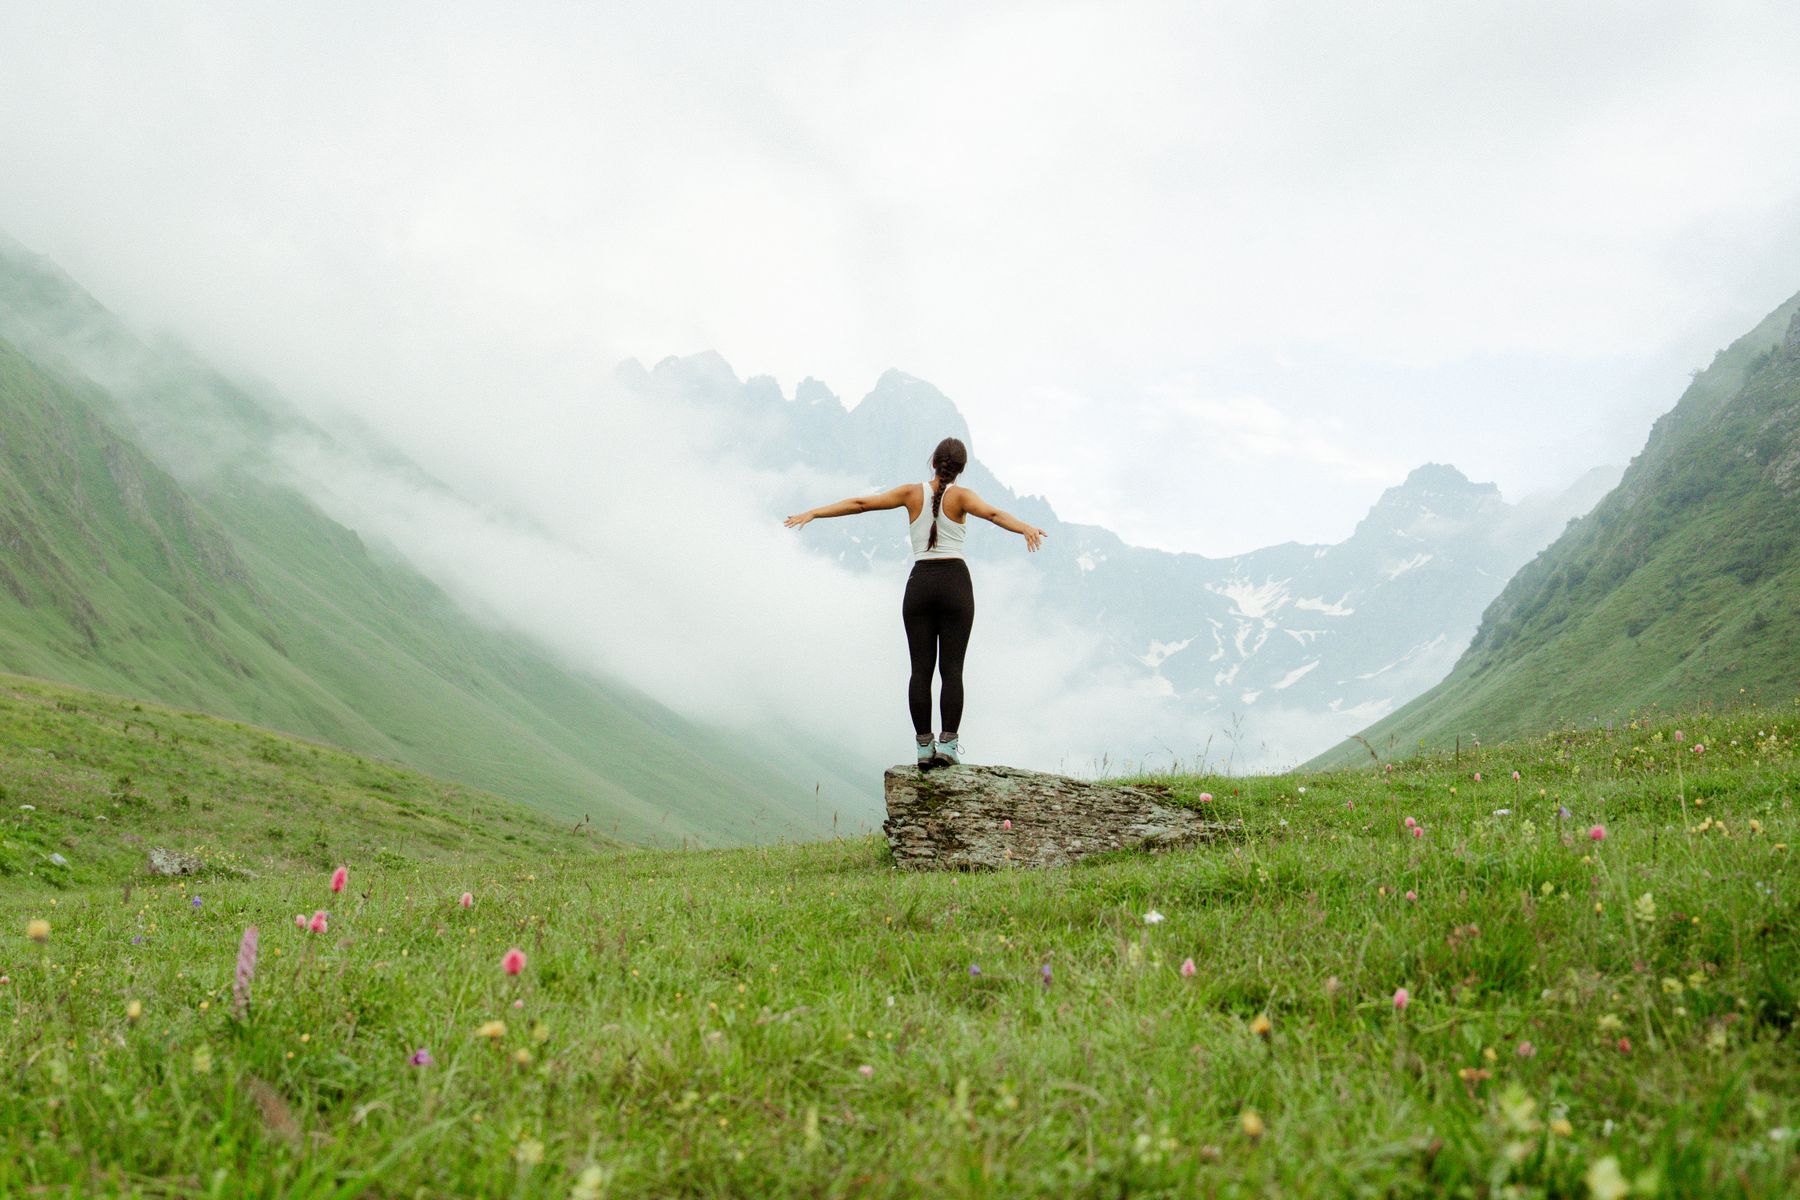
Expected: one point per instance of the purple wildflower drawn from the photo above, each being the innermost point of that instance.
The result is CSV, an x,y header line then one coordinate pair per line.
x,y
421,1057
196,902
246,971
974,970
1046,974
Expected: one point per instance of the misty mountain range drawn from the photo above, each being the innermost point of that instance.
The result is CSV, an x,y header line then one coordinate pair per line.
x,y
1301,644
1680,589
239,595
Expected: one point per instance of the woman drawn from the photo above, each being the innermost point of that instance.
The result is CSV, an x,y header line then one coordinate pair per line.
x,y
939,606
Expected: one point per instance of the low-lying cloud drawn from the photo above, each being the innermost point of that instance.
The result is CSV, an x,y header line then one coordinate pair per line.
x,y
627,541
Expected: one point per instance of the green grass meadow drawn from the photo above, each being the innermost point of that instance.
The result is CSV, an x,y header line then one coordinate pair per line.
x,y
1585,1017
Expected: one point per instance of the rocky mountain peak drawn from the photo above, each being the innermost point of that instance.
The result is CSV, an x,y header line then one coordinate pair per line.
x,y
1433,496
810,391
706,372
903,406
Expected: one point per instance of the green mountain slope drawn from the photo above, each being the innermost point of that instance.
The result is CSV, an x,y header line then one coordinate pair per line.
x,y
1682,587
95,780
214,588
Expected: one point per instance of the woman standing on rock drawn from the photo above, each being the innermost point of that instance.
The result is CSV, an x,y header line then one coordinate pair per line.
x,y
939,606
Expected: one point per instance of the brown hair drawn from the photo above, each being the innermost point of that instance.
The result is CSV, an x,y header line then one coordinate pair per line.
x,y
948,460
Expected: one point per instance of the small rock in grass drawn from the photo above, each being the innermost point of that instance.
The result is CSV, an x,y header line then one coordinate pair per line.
x,y
173,862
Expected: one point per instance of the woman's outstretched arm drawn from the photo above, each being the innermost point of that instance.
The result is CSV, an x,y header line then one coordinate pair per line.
x,y
892,498
976,506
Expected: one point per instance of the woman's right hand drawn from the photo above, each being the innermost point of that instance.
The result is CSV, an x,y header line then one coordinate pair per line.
x,y
797,520
1034,537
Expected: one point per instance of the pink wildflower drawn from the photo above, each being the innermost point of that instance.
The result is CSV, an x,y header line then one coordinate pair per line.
x,y
1410,822
1206,797
1402,998
1412,895
299,920
1624,1045
317,924
1598,833
1515,777
1699,748
513,962
1680,736
1188,968
246,971
518,1004
339,878
1526,1050
468,900
866,1071
1006,824
1350,804
1478,777
1418,831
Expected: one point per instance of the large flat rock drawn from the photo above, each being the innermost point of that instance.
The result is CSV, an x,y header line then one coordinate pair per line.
x,y
957,818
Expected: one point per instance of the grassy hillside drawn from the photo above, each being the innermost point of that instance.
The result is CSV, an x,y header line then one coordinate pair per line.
x,y
191,575
805,1021
1682,587
100,779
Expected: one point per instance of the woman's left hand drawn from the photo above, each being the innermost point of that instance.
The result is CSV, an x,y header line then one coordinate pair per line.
x,y
798,520
1034,537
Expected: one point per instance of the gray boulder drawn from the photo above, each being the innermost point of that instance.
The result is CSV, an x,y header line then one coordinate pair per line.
x,y
174,862
957,818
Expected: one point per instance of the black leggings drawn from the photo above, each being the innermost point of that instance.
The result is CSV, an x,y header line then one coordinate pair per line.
x,y
939,610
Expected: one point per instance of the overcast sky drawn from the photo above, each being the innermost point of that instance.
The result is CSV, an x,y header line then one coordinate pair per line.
x,y
1210,275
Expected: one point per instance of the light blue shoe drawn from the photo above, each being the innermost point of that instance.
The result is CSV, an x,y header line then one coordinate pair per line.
x,y
927,754
949,754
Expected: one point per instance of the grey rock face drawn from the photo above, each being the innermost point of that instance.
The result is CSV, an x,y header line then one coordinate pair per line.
x,y
956,818
174,862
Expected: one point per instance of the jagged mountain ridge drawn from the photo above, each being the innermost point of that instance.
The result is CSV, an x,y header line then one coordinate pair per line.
x,y
1342,632
1681,587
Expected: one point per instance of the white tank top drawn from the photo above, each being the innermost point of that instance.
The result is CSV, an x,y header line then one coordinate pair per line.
x,y
950,533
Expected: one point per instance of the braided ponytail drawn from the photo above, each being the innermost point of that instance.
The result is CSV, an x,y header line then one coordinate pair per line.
x,y
948,460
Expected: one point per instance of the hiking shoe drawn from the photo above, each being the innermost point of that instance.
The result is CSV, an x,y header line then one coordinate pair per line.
x,y
949,753
927,754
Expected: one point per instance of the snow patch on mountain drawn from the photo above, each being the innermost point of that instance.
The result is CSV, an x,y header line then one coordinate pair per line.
x,y
1160,652
1318,604
1396,571
1296,675
1252,600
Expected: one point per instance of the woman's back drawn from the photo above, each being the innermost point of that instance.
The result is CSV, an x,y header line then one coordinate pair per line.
x,y
950,534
